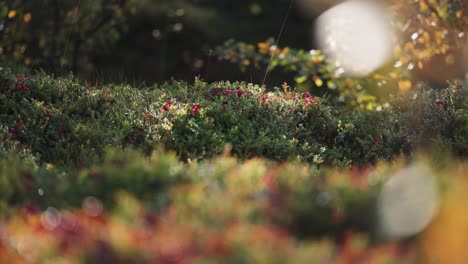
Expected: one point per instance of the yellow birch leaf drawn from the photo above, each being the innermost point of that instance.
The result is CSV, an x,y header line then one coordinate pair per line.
x,y
27,17
318,82
404,85
11,14
301,79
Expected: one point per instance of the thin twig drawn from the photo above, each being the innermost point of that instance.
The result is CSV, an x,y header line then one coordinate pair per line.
x,y
277,41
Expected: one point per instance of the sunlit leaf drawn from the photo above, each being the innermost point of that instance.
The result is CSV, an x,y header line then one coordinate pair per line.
x,y
27,17
301,79
404,85
318,82
11,14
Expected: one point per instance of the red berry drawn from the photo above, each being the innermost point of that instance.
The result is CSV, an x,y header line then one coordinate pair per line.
x,y
195,109
227,92
62,129
15,129
309,101
216,91
439,102
30,209
166,105
377,139
21,86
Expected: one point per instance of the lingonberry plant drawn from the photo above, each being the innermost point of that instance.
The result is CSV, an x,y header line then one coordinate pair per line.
x,y
66,122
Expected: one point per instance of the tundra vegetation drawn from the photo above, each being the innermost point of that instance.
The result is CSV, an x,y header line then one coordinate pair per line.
x,y
191,132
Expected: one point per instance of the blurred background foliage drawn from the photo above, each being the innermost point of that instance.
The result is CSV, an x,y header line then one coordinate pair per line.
x,y
146,40
153,41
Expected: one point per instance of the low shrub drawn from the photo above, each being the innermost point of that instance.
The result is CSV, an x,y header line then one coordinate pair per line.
x,y
64,122
23,181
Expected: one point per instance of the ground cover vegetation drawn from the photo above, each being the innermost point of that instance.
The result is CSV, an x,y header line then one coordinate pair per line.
x,y
272,154
65,122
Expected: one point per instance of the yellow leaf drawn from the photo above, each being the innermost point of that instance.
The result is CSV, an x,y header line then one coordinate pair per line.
x,y
423,6
11,14
366,98
404,85
404,60
420,65
27,17
318,82
450,59
378,76
441,12
350,83
393,75
301,79
263,47
409,46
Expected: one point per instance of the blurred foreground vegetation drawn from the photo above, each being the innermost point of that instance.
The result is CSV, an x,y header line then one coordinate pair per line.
x,y
130,208
219,162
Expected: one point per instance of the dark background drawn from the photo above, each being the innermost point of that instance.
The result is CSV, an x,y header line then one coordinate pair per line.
x,y
205,24
145,40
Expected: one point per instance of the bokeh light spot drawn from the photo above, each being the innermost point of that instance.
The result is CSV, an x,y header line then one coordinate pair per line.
x,y
92,206
50,218
408,202
357,35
